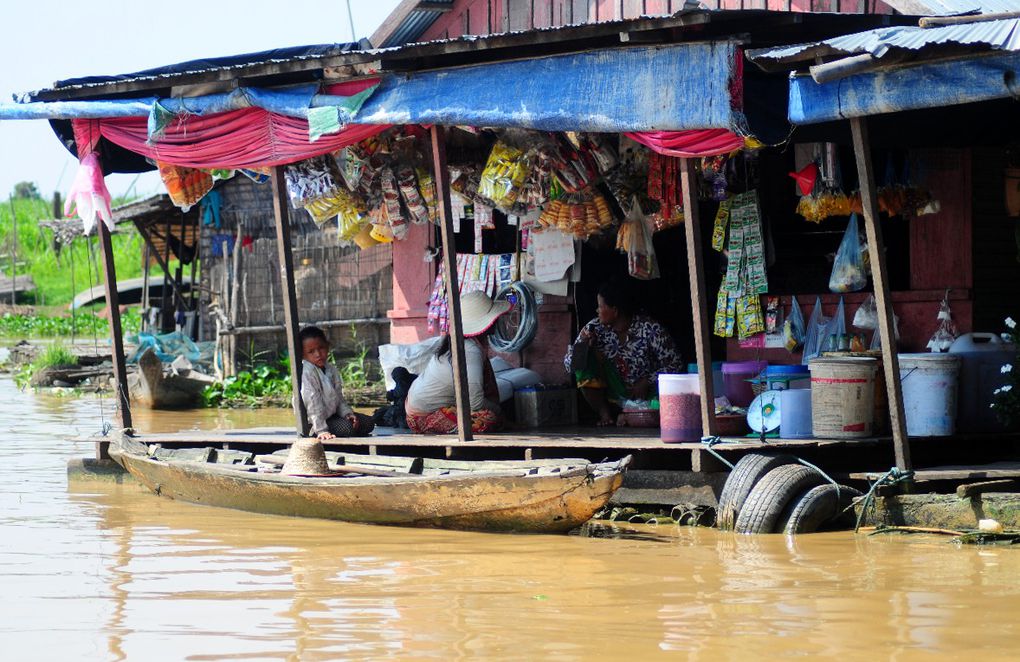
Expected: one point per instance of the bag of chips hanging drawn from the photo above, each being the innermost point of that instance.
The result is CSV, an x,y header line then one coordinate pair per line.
x,y
848,273
186,186
503,176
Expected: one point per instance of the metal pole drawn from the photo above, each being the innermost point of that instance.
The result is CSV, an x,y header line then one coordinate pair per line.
x,y
281,209
880,277
696,274
460,381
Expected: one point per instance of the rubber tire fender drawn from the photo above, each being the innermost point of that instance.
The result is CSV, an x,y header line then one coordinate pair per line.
x,y
819,508
745,475
773,493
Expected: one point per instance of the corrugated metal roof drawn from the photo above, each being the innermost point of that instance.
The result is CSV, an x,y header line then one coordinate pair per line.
x,y
415,24
949,7
997,35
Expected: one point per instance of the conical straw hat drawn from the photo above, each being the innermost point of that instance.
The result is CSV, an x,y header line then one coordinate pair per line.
x,y
307,457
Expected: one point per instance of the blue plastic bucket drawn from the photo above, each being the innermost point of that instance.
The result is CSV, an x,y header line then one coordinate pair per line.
x,y
930,388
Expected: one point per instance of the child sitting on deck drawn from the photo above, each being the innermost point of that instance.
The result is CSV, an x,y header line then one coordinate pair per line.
x,y
329,415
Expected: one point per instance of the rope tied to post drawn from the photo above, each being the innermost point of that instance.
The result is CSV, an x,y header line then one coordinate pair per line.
x,y
894,476
710,441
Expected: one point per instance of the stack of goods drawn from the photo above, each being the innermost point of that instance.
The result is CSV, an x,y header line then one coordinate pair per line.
x,y
574,169
579,214
316,186
738,305
186,186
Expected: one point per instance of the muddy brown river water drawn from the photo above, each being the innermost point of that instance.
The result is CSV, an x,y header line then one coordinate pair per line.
x,y
107,572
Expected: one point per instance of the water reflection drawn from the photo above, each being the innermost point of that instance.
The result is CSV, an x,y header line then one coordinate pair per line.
x,y
113,572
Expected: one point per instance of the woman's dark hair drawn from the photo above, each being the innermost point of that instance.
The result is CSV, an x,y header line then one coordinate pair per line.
x,y
310,332
618,294
444,346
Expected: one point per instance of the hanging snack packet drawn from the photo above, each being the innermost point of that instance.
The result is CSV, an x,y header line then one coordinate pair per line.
x,y
408,185
503,176
427,188
793,327
186,186
391,203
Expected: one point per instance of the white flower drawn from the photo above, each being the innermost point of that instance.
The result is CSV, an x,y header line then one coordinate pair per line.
x,y
1006,368
1010,323
997,391
1007,388
991,406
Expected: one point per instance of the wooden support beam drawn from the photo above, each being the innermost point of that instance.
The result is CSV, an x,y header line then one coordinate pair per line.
x,y
281,211
123,413
699,299
142,230
460,382
880,278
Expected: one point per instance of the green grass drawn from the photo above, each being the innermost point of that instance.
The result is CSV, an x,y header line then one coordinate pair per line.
x,y
53,356
52,273
84,324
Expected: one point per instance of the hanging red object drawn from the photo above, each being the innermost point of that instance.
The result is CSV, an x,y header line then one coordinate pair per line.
x,y
806,178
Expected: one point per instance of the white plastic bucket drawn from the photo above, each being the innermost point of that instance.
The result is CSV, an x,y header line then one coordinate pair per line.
x,y
930,388
795,413
842,397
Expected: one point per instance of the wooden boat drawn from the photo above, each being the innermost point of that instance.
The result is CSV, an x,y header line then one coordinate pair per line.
x,y
155,386
523,496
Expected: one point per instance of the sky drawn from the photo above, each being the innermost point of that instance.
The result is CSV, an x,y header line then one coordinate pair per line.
x,y
49,40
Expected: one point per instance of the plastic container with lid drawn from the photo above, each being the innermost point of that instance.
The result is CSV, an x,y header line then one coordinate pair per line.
x,y
982,356
717,377
782,377
679,408
795,413
736,380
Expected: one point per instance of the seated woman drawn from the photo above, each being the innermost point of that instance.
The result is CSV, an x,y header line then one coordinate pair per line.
x,y
329,415
627,351
431,403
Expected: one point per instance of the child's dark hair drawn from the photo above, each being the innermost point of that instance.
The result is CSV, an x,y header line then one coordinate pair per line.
x,y
310,332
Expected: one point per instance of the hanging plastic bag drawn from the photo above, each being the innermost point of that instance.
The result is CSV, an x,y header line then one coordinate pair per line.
x,y
835,331
866,316
946,333
848,273
793,327
637,241
814,331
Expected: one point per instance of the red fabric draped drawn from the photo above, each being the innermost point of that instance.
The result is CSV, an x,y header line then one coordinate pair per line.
x,y
689,144
237,139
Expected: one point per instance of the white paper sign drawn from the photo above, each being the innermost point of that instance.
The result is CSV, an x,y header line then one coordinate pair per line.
x,y
554,253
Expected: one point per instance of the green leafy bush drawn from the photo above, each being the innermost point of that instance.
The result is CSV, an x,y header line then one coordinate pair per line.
x,y
83,325
250,388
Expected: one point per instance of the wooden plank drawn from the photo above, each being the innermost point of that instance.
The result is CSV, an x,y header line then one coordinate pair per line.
x,y
460,382
281,211
699,300
996,470
880,278
975,489
123,412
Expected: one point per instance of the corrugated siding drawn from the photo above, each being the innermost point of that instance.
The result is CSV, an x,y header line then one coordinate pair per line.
x,y
996,269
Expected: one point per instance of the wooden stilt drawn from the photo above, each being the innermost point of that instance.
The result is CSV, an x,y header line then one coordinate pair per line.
x,y
460,382
123,414
281,209
699,299
880,278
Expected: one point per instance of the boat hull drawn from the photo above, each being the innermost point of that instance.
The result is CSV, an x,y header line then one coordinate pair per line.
x,y
499,501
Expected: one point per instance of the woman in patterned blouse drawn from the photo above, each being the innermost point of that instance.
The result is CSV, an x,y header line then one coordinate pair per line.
x,y
627,353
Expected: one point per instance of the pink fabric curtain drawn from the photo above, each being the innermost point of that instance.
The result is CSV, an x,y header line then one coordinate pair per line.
x,y
246,138
689,144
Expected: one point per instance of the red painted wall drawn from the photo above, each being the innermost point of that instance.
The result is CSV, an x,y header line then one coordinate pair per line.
x,y
480,17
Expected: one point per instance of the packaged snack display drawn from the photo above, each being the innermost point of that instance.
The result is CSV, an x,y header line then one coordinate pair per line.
x,y
581,214
503,176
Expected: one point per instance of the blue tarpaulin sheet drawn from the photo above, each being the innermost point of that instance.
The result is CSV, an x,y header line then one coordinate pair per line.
x,y
675,87
929,85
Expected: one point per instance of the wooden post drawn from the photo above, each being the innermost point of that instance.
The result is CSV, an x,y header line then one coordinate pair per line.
x,y
699,300
281,209
14,253
460,382
166,323
145,286
880,277
123,415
